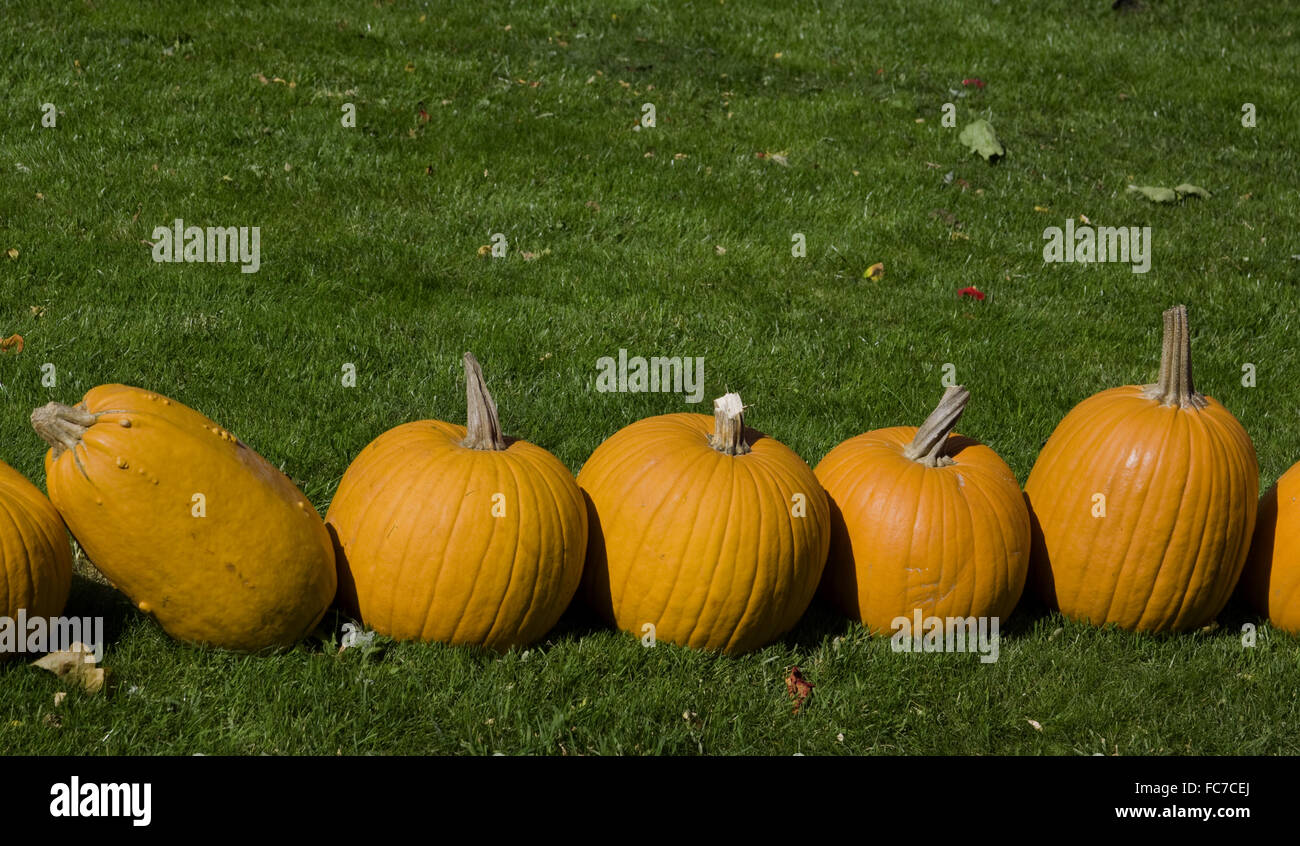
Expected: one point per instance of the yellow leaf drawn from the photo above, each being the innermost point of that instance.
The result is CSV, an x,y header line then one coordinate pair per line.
x,y
410,67
12,252
876,271
1041,209
485,249
77,665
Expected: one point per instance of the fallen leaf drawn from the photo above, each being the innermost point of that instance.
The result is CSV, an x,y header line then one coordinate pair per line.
x,y
1041,209
13,342
485,249
980,138
262,79
37,311
876,271
1083,218
976,81
680,156
76,665
1037,726
1189,190
798,687
59,696
53,721
718,249
593,205
410,67
971,291
958,236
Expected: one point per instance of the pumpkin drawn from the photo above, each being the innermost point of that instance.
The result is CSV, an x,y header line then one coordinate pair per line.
x,y
1271,579
923,519
35,559
1144,500
457,534
705,533
197,529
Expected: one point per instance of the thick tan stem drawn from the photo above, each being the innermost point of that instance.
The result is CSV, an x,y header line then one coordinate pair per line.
x,y
482,429
62,426
728,435
1175,386
927,446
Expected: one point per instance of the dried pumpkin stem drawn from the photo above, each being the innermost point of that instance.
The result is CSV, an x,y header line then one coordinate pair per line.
x,y
62,426
928,445
1175,383
482,429
728,435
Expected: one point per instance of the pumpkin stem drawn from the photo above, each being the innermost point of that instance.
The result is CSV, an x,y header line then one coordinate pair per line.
x,y
482,429
61,426
1175,384
928,444
728,435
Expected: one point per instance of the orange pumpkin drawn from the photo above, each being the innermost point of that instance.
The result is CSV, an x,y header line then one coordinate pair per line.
x,y
196,528
35,558
456,534
712,540
923,519
1144,500
1271,579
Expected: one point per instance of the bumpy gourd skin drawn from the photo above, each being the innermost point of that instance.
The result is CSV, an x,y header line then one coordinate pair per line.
x,y
700,544
442,542
952,540
1180,487
35,558
1271,579
256,571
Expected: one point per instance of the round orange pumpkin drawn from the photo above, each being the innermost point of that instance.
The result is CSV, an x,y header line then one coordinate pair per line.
x,y
1144,500
923,519
196,528
1271,579
456,534
707,540
35,558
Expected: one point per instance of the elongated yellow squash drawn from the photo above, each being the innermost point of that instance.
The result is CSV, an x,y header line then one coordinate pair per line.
x,y
196,528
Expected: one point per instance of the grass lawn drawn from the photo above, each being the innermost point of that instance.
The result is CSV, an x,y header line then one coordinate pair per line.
x,y
670,240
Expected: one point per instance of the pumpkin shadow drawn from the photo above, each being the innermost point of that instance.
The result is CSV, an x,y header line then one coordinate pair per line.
x,y
90,596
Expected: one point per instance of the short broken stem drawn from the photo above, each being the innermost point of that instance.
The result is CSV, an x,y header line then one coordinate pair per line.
x,y
927,446
728,435
1174,386
482,429
62,426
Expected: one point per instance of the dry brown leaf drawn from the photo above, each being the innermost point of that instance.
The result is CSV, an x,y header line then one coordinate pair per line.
x,y
1037,726
798,687
12,252
76,665
718,249
13,342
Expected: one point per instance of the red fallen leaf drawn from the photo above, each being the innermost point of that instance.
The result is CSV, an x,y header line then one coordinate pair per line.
x,y
760,155
14,342
971,292
424,116
798,687
974,80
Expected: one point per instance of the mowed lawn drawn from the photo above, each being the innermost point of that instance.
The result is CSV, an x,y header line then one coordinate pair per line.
x,y
773,118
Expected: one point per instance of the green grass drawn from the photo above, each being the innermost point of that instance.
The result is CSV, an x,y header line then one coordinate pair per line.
x,y
369,256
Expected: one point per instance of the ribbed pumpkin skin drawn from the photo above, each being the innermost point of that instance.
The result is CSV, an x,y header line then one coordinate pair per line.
x,y
952,540
422,556
1180,487
698,543
257,571
35,558
1271,579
